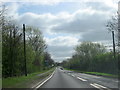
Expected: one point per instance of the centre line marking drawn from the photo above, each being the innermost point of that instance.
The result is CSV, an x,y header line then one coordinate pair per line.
x,y
81,79
99,86
73,75
95,86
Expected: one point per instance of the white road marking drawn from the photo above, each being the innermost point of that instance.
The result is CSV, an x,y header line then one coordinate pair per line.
x,y
81,79
95,86
45,80
68,73
73,75
40,84
99,86
97,77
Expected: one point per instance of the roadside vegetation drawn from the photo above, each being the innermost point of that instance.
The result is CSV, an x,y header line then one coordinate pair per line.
x,y
26,82
92,58
94,73
13,64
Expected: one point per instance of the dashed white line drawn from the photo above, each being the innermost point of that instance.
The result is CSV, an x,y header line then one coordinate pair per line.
x,y
97,77
99,86
81,79
73,75
94,86
116,81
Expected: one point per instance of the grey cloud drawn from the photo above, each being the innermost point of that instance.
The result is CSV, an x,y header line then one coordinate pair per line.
x,y
32,20
55,49
91,27
61,51
83,24
96,36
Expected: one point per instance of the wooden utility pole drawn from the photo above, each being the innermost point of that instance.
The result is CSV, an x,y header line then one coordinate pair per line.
x,y
11,54
113,44
25,67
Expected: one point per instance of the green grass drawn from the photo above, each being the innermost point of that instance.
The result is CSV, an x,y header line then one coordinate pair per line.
x,y
0,82
101,74
95,73
23,81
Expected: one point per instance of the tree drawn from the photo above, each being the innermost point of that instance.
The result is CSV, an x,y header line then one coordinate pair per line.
x,y
84,57
89,49
48,61
113,25
12,48
36,41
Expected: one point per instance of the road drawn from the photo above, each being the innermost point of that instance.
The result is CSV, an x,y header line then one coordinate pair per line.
x,y
69,79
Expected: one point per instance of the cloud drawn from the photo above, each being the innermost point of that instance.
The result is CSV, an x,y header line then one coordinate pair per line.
x,y
36,2
82,21
61,47
86,24
96,36
64,22
62,41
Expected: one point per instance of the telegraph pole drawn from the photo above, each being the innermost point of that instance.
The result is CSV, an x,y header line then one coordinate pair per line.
x,y
25,68
113,44
119,44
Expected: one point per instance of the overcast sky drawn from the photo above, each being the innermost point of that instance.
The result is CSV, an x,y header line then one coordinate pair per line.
x,y
66,23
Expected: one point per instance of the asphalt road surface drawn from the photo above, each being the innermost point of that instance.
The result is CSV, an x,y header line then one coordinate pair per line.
x,y
69,79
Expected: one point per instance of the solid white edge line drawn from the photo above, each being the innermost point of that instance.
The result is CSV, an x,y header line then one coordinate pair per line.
x,y
37,86
81,79
45,80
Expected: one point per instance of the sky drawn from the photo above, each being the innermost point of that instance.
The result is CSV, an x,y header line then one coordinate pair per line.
x,y
65,23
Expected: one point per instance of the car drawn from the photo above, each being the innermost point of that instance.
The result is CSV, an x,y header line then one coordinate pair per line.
x,y
61,68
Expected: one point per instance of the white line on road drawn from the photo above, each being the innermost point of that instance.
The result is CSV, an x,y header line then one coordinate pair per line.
x,y
81,79
97,77
45,80
94,86
40,84
99,86
73,75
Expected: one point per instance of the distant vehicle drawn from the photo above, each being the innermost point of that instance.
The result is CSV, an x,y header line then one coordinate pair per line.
x,y
61,68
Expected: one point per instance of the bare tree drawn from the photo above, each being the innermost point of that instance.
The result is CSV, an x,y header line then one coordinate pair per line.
x,y
113,25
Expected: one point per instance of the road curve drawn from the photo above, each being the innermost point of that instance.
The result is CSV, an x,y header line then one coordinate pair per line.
x,y
67,79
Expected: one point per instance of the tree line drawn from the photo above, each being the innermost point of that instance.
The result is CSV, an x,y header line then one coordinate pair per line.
x,y
94,57
37,58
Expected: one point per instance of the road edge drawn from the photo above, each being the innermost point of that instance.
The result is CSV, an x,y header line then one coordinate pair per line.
x,y
39,84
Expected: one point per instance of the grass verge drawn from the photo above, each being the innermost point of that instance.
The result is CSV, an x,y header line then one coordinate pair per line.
x,y
95,73
25,81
